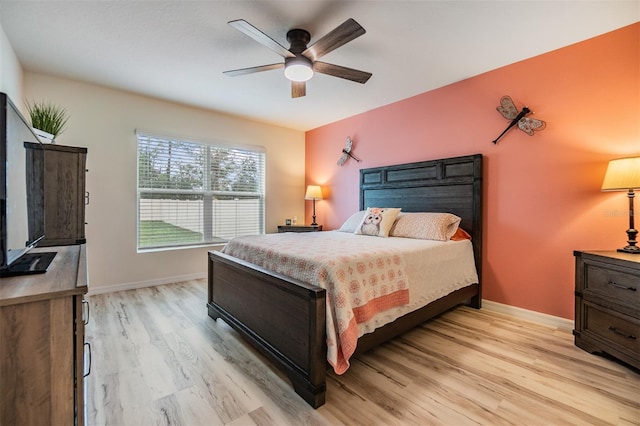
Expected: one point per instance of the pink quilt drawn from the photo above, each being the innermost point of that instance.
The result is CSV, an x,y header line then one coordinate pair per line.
x,y
360,281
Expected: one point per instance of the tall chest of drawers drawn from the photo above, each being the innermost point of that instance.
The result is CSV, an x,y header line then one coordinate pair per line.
x,y
64,195
607,296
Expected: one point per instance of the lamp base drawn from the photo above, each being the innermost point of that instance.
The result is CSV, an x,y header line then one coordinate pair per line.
x,y
631,234
630,249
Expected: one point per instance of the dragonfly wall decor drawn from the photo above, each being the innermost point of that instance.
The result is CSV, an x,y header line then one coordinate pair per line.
x,y
346,153
509,111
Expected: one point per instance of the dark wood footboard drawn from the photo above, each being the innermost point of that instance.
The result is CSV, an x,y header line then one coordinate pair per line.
x,y
281,317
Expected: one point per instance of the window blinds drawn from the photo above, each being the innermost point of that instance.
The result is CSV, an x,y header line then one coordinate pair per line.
x,y
192,193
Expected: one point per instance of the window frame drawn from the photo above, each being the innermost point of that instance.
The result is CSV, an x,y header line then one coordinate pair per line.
x,y
208,194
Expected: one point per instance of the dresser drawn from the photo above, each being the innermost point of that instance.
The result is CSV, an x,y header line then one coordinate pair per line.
x,y
42,348
299,228
607,297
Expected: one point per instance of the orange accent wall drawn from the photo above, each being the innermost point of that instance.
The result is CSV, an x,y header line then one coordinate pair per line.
x,y
542,192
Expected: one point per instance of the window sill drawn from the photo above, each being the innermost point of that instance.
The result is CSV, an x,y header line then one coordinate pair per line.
x,y
212,246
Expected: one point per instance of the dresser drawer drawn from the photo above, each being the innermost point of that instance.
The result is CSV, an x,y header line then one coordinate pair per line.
x,y
618,330
612,282
608,304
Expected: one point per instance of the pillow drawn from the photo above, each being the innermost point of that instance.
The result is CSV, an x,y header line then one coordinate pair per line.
x,y
377,221
460,235
426,226
351,224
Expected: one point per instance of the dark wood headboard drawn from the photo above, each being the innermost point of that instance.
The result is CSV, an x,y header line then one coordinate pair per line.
x,y
452,185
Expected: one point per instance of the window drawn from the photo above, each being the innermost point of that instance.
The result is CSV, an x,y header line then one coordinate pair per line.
x,y
192,193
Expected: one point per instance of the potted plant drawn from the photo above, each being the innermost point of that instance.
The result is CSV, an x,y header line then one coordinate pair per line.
x,y
48,120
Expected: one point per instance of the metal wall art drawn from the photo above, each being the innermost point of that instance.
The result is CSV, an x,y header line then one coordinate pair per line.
x,y
509,111
346,153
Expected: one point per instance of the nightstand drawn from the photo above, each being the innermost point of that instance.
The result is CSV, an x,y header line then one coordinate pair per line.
x,y
608,304
299,228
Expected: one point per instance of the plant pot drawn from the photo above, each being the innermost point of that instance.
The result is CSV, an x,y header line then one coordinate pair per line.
x,y
44,136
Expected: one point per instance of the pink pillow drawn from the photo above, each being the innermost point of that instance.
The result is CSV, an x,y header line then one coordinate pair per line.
x,y
426,226
460,235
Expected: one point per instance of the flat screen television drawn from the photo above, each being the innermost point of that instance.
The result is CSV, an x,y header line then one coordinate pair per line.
x,y
21,194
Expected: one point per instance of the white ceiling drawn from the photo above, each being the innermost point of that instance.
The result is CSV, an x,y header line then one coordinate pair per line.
x,y
177,50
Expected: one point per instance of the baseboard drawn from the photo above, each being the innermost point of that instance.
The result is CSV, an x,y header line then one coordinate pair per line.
x,y
143,284
528,315
489,305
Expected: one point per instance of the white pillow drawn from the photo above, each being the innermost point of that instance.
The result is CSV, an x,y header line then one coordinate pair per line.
x,y
351,224
377,221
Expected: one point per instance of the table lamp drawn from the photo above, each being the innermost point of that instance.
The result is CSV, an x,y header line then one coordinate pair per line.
x,y
623,174
314,192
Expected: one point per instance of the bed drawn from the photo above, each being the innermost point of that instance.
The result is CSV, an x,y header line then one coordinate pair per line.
x,y
284,318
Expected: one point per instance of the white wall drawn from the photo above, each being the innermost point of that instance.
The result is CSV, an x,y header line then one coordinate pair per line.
x,y
10,72
104,120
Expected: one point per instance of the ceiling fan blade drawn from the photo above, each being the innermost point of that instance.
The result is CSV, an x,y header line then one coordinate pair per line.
x,y
341,72
251,70
245,27
298,89
340,35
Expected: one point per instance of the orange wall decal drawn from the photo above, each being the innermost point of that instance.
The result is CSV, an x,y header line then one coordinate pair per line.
x,y
542,192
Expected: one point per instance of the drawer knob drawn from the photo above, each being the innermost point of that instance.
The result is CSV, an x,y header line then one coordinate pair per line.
x,y
622,333
624,287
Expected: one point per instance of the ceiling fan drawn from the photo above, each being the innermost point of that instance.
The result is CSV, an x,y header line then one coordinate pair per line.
x,y
300,61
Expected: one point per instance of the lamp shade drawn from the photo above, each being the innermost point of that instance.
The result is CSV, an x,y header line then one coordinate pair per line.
x,y
622,174
314,192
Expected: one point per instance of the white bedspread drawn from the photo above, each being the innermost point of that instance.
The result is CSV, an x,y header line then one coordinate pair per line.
x,y
432,270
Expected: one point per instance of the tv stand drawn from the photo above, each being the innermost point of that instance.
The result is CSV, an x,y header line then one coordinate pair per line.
x,y
42,348
30,263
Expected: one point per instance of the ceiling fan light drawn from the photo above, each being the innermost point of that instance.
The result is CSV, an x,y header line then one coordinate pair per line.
x,y
298,69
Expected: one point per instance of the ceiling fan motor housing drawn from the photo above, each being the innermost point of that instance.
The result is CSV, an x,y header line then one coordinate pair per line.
x,y
299,68
298,39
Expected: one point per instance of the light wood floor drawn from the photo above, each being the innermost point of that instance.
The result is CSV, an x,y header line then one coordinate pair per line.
x,y
158,359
